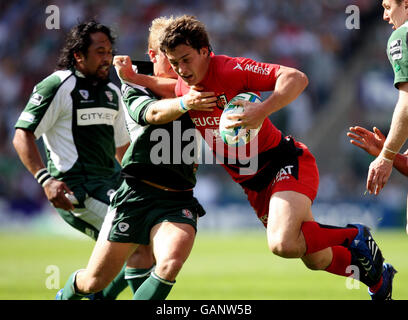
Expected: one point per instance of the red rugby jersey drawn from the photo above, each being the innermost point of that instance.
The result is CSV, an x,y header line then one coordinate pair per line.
x,y
230,76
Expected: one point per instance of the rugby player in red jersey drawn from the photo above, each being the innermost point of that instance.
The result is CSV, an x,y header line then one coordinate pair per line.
x,y
285,182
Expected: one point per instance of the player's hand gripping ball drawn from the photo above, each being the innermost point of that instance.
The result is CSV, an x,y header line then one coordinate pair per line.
x,y
237,136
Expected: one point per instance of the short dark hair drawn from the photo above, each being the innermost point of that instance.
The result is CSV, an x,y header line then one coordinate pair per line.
x,y
186,30
79,40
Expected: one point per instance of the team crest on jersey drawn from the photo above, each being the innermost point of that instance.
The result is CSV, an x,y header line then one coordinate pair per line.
x,y
396,49
123,226
187,213
109,95
84,94
222,101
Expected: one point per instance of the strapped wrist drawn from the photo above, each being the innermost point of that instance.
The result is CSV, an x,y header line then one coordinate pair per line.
x,y
387,154
182,107
43,176
385,158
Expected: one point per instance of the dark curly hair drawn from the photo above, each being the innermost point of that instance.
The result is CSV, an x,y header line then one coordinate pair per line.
x,y
79,40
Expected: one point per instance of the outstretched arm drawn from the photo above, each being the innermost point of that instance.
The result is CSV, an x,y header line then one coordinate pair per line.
x,y
380,169
163,87
372,143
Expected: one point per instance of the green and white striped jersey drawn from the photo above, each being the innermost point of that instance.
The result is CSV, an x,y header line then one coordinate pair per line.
x,y
81,122
156,151
397,51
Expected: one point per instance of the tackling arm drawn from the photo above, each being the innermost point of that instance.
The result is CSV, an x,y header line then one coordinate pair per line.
x,y
163,87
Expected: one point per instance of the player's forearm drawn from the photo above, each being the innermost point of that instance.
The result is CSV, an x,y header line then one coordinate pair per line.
x,y
164,111
27,150
289,85
399,128
163,87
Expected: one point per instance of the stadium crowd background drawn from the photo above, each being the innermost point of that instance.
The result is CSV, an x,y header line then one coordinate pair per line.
x,y
310,35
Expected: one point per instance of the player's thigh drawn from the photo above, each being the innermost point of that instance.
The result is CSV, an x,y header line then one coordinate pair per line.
x,y
107,260
287,211
108,257
172,240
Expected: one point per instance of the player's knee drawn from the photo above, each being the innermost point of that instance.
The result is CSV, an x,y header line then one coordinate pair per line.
x,y
141,258
283,248
169,268
92,285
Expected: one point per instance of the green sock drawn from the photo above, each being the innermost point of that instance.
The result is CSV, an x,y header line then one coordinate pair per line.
x,y
69,290
136,276
114,288
154,288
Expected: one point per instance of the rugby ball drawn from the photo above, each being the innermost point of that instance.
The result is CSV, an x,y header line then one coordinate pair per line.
x,y
237,136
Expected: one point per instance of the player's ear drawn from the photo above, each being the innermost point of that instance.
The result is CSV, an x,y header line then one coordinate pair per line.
x,y
205,51
79,57
152,54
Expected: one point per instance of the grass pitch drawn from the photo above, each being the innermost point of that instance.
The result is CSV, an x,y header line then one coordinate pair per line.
x,y
231,266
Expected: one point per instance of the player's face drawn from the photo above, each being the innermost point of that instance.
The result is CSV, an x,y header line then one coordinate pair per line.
x,y
393,13
99,57
162,66
191,65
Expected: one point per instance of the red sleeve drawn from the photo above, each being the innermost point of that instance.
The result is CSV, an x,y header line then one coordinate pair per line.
x,y
259,76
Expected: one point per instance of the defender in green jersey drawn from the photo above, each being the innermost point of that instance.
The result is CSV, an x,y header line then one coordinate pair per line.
x,y
79,114
396,14
386,149
155,203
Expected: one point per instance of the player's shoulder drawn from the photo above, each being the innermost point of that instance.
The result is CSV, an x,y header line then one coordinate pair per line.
x,y
114,87
49,86
55,79
134,90
398,36
227,65
53,82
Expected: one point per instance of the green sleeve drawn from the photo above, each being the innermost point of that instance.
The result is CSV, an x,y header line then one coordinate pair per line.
x,y
39,101
136,100
397,53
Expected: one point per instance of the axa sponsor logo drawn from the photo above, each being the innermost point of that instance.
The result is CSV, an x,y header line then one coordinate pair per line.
x,y
255,68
